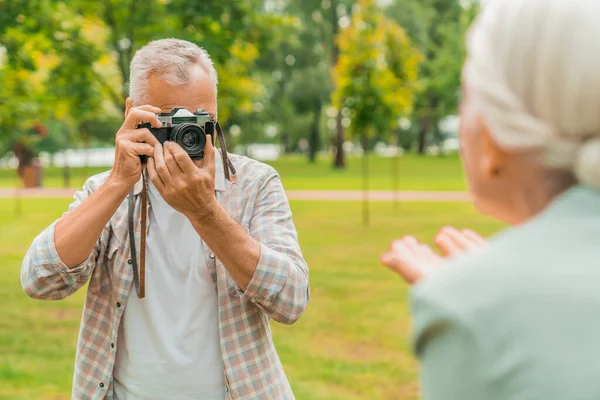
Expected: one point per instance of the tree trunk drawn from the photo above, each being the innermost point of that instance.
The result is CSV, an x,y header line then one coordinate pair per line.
x,y
365,170
439,136
285,141
423,130
313,139
340,160
428,118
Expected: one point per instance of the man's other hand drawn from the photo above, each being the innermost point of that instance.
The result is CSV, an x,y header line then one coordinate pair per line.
x,y
188,188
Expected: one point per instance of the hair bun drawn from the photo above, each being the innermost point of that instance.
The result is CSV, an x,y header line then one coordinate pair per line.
x,y
587,163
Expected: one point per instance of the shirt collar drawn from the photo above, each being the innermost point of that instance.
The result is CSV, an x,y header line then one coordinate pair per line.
x,y
219,176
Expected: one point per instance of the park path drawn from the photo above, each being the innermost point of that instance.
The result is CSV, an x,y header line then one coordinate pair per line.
x,y
325,195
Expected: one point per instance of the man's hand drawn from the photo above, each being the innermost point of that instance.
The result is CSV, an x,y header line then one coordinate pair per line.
x,y
414,261
187,188
132,142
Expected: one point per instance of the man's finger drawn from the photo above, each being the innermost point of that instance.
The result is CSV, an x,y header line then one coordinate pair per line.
x,y
138,116
142,135
182,158
161,166
148,107
153,175
143,149
170,161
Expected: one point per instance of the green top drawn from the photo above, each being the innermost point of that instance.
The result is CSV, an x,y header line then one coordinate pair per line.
x,y
520,319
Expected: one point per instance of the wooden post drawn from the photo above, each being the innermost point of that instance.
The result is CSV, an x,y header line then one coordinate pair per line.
x,y
396,173
365,165
18,200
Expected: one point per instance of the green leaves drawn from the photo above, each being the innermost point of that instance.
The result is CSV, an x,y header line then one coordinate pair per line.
x,y
376,75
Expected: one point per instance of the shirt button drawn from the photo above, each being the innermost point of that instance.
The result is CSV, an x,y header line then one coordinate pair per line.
x,y
101,385
129,261
212,255
112,345
118,304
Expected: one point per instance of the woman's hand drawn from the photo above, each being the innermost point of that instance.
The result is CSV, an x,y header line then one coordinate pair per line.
x,y
414,261
453,242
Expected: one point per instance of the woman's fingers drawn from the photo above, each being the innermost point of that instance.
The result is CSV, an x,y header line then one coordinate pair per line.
x,y
474,237
410,259
452,242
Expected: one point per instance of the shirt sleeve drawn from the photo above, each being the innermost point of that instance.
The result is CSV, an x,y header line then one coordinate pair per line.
x,y
451,357
279,285
43,274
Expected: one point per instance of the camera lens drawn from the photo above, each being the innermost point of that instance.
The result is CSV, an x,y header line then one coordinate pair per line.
x,y
191,138
188,139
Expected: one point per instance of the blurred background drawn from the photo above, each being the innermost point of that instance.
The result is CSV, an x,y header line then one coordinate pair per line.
x,y
348,100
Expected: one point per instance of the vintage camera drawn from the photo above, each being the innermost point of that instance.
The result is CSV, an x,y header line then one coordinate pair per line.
x,y
184,128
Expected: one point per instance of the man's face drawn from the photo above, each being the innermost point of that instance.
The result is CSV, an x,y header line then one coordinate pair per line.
x,y
198,93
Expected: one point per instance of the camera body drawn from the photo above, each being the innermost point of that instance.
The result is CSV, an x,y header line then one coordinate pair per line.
x,y
187,129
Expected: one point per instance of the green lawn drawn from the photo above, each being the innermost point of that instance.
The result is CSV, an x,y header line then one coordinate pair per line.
x,y
416,173
352,343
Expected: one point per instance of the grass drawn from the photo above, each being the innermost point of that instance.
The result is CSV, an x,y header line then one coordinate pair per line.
x,y
352,343
416,173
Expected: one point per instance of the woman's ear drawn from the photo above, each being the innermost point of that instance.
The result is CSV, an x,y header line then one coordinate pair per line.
x,y
128,106
494,159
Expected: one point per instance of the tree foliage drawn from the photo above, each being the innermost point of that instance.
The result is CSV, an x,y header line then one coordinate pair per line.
x,y
437,28
71,61
376,75
281,64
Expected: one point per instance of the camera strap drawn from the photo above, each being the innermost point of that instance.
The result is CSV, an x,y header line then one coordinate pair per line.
x,y
139,278
227,164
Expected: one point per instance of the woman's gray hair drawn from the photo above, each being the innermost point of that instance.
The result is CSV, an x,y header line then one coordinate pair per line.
x,y
533,69
172,60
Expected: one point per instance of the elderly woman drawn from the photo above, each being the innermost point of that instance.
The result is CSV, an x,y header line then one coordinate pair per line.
x,y
519,318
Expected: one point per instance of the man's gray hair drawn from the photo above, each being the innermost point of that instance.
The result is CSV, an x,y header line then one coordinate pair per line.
x,y
172,60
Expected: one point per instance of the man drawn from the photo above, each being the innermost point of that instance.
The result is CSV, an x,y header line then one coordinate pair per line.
x,y
222,257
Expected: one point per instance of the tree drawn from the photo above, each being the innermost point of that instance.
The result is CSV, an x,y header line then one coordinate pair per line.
x,y
376,77
79,54
233,32
298,66
437,27
61,56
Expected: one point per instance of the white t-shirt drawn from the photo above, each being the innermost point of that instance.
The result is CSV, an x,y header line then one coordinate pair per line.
x,y
168,344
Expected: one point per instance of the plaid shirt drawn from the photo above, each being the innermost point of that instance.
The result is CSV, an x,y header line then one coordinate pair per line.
x,y
278,289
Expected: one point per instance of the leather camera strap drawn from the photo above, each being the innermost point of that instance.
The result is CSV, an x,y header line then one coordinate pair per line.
x,y
227,164
139,277
142,291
